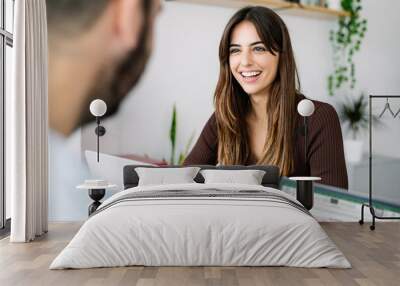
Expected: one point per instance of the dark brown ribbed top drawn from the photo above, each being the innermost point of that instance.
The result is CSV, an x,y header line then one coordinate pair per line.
x,y
325,147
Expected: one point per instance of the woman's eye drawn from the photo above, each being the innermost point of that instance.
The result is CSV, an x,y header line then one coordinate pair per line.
x,y
259,49
233,51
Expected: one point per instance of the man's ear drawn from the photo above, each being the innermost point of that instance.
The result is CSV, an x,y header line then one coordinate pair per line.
x,y
128,20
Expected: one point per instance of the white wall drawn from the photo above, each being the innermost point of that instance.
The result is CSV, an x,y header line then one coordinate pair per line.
x,y
184,69
378,68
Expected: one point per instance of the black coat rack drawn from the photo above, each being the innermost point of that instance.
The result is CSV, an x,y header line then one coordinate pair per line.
x,y
370,202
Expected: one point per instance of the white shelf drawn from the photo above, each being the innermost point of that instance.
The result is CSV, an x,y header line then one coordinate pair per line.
x,y
277,5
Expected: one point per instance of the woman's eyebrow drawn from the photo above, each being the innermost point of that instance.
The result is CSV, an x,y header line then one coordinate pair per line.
x,y
252,44
256,43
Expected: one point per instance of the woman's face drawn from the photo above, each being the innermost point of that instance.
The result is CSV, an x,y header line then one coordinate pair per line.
x,y
252,65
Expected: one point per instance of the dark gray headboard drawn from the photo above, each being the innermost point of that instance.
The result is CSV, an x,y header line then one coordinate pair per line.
x,y
270,179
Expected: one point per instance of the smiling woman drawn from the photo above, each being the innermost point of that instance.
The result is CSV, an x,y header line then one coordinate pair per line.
x,y
255,119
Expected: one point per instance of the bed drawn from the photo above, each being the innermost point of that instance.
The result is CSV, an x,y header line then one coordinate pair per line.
x,y
203,223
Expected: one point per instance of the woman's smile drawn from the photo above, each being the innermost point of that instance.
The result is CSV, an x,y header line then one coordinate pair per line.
x,y
250,76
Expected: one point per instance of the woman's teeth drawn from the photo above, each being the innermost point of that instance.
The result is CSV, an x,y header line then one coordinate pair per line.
x,y
250,74
250,77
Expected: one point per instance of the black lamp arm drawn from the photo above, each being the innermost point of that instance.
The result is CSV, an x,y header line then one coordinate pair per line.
x,y
305,141
100,131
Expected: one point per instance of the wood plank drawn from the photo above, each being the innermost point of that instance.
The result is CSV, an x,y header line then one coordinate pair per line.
x,y
374,255
278,5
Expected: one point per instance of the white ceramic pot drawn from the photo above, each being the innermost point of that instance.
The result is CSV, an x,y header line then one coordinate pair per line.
x,y
353,150
334,4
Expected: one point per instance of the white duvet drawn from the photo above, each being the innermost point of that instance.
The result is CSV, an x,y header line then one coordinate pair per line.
x,y
200,231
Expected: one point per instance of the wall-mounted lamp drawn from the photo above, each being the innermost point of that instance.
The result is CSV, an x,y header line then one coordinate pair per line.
x,y
98,108
305,108
304,190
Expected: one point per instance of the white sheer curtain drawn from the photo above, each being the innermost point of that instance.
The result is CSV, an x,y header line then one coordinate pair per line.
x,y
27,124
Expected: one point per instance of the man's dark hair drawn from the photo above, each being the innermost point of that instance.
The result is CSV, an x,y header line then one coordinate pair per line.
x,y
74,15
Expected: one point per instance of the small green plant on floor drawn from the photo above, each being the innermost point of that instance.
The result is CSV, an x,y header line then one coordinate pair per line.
x,y
172,136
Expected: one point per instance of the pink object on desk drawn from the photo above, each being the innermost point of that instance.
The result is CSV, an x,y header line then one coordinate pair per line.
x,y
144,159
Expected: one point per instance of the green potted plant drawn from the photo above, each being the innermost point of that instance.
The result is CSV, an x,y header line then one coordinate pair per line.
x,y
354,117
172,137
346,41
353,114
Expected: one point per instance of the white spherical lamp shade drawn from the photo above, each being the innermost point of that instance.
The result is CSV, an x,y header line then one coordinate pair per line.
x,y
98,107
305,107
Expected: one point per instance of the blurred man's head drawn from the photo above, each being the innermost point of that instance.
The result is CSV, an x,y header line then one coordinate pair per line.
x,y
98,49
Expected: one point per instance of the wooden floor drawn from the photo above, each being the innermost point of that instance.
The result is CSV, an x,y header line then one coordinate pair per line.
x,y
375,257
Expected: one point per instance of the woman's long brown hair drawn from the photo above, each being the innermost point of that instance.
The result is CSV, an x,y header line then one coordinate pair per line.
x,y
232,103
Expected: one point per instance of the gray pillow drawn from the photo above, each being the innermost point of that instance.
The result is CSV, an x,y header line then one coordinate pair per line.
x,y
163,176
248,177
